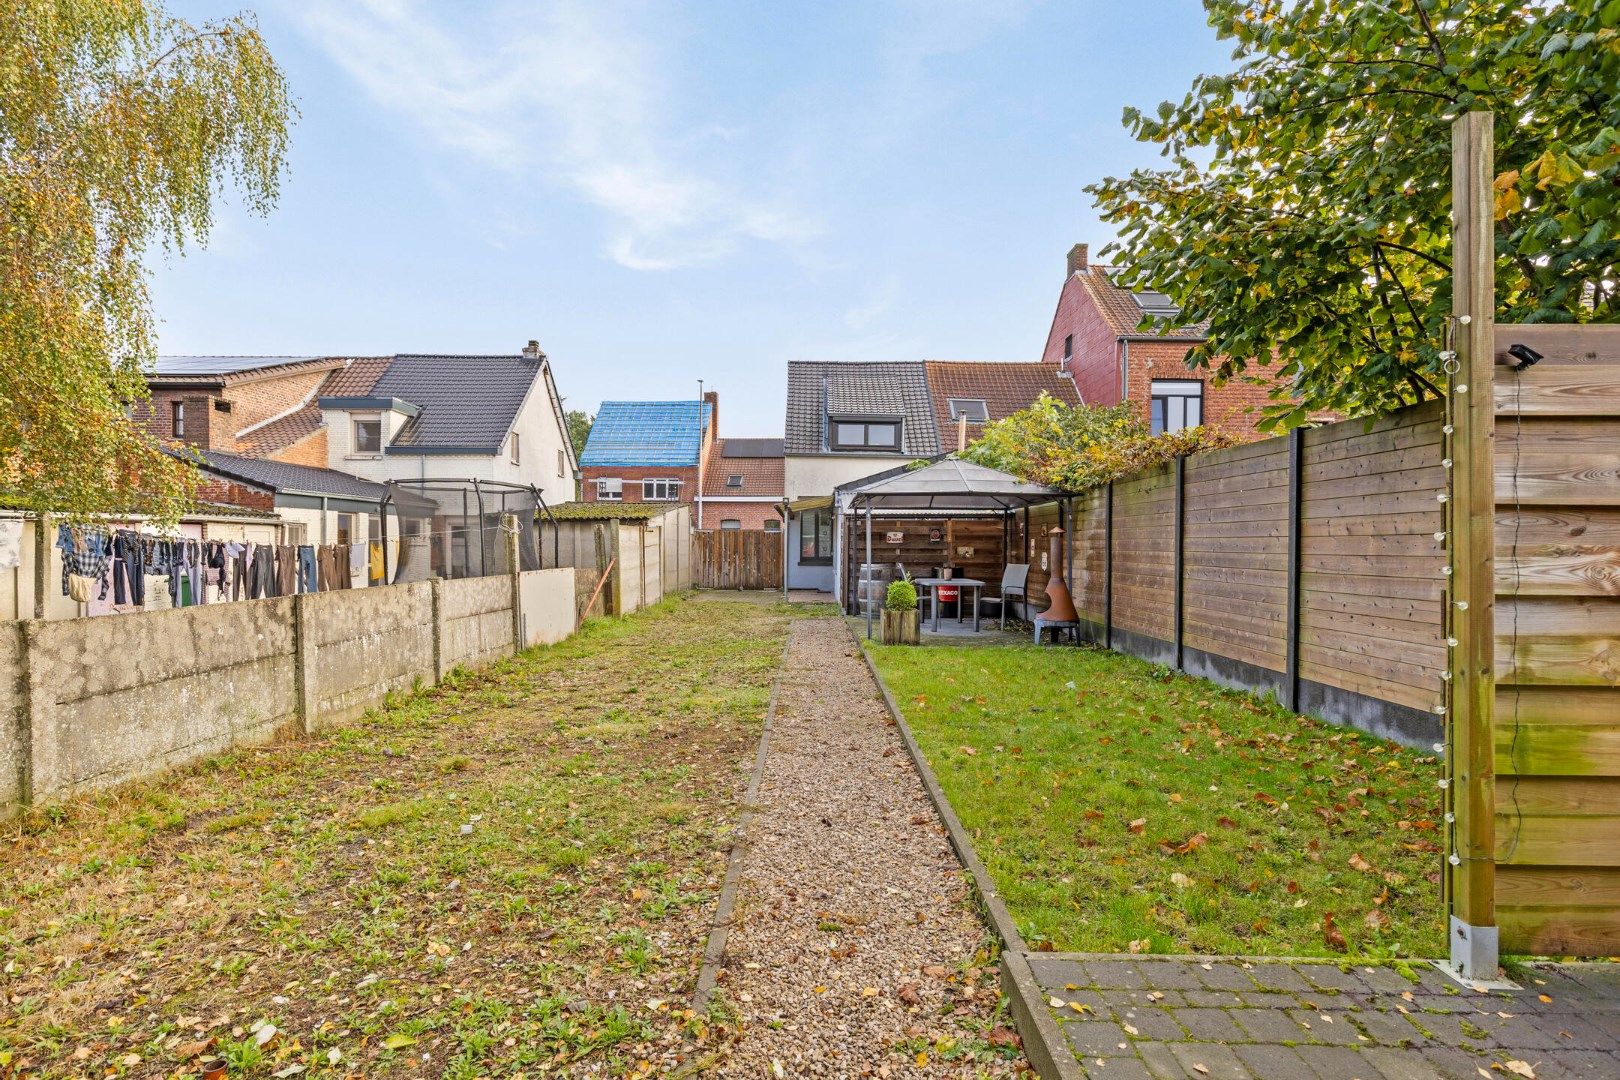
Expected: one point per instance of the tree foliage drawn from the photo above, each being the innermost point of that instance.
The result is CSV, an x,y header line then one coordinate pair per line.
x,y
579,429
1304,209
1075,447
120,127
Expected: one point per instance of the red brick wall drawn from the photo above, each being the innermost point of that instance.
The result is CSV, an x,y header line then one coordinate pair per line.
x,y
255,402
250,403
632,478
751,515
1096,355
219,490
1233,408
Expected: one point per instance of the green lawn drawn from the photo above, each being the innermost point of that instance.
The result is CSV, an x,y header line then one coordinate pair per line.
x,y
1122,807
514,872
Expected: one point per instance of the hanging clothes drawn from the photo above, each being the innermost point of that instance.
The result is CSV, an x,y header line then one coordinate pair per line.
x,y
264,562
129,568
286,570
344,566
86,558
308,581
376,560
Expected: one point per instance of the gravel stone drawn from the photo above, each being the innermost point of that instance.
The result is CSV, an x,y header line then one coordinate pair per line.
x,y
850,894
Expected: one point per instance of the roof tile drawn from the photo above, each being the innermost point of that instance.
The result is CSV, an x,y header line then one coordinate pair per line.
x,y
1005,388
894,388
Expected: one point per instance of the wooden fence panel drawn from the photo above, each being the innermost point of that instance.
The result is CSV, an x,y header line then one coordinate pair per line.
x,y
1144,554
1557,625
737,559
1372,587
1235,561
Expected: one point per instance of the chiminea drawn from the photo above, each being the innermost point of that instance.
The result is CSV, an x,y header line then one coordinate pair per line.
x,y
1059,604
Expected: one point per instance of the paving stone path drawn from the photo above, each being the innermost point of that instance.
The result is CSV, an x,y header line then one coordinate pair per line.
x,y
1137,1017
855,949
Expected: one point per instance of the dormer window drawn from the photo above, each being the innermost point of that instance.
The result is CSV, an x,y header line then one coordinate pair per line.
x,y
976,411
368,434
880,434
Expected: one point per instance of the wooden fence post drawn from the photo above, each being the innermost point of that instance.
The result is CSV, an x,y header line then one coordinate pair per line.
x,y
1181,555
1296,484
1108,567
1470,540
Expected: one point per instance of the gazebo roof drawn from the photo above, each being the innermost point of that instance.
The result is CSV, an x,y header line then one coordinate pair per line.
x,y
949,484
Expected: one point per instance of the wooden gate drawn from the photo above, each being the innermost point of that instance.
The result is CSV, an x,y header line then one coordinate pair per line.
x,y
737,559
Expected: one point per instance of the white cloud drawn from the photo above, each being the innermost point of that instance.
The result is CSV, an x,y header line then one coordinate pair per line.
x,y
572,92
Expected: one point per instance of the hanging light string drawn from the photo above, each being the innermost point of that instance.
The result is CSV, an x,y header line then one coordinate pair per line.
x,y
1448,535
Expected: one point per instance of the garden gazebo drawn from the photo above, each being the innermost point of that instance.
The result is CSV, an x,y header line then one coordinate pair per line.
x,y
947,489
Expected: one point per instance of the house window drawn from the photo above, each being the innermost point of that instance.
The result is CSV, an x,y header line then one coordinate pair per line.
x,y
859,434
368,435
177,419
1177,404
734,480
514,447
562,463
816,536
730,523
662,489
1068,348
345,529
976,411
773,525
610,490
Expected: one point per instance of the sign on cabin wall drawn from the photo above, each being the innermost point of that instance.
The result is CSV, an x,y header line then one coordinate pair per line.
x,y
893,537
936,535
964,553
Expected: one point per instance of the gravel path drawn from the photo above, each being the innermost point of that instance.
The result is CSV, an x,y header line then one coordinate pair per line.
x,y
856,950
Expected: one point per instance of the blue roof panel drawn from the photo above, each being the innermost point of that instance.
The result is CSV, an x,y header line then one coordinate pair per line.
x,y
646,433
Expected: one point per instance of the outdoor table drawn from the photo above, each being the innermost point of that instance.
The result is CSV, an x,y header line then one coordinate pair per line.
x,y
932,583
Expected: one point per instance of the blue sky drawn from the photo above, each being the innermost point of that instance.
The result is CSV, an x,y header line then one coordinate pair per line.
x,y
661,193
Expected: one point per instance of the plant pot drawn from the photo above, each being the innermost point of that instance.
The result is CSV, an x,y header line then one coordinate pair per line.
x,y
900,627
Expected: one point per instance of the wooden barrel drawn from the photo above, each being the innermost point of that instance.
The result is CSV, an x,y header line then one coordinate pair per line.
x,y
872,588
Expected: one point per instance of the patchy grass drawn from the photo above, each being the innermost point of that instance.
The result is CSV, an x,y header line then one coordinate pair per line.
x,y
1122,807
516,872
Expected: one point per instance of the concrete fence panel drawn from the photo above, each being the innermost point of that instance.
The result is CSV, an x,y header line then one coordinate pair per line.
x,y
14,731
476,616
121,696
356,645
547,604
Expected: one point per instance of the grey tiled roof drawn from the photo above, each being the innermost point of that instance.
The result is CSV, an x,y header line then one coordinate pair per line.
x,y
468,402
889,388
284,476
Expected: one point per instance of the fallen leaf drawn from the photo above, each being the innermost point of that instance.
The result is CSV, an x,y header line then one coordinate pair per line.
x,y
1138,825
1079,1007
908,994
1545,998
922,1059
1519,1068
1331,936
1358,863
397,1042
1201,1068
1376,919
1180,880
968,750
1194,842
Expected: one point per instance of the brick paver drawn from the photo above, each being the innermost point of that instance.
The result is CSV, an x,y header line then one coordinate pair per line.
x,y
1172,1018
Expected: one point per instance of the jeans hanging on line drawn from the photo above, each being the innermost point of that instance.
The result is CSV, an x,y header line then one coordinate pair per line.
x,y
308,580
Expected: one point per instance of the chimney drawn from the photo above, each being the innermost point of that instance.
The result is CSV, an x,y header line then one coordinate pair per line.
x,y
531,351
713,398
1077,259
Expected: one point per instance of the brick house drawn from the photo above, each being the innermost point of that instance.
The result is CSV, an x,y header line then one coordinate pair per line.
x,y
1120,346
648,451
255,406
742,485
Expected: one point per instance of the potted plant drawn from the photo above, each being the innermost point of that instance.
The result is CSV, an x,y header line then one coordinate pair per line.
x,y
900,612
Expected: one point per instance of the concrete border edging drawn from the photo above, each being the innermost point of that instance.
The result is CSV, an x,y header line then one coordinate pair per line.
x,y
1044,1044
714,952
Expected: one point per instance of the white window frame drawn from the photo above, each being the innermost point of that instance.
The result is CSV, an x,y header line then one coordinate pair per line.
x,y
562,462
1170,406
177,419
731,524
354,434
609,489
651,484
512,448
